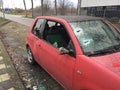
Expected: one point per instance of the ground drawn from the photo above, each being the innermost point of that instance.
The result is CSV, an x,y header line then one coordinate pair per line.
x,y
13,35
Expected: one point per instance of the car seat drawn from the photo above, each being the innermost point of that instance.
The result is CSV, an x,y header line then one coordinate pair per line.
x,y
46,30
56,39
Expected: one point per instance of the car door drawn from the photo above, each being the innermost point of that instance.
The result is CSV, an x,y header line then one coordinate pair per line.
x,y
59,66
33,36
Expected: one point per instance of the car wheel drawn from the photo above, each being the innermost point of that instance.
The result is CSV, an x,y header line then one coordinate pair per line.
x,y
30,56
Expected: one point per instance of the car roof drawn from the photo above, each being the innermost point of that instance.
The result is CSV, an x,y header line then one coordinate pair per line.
x,y
73,18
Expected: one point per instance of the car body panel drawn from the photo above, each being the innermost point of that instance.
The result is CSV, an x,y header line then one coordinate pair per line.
x,y
94,76
110,61
56,64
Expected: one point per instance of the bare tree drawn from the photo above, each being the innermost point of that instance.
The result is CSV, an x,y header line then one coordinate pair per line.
x,y
79,7
63,5
45,7
32,7
1,6
42,7
71,7
25,8
55,7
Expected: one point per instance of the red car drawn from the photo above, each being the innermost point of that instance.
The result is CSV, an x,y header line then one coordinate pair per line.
x,y
80,52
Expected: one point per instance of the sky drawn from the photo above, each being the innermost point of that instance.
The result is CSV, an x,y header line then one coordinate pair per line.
x,y
19,3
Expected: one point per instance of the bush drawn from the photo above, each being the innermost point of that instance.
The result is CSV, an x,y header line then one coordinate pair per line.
x,y
115,19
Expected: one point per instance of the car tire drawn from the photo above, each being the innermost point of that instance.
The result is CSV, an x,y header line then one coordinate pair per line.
x,y
30,56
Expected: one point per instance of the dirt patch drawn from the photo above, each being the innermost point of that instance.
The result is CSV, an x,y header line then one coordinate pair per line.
x,y
13,36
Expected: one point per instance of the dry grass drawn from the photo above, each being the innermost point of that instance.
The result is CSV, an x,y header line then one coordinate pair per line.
x,y
2,21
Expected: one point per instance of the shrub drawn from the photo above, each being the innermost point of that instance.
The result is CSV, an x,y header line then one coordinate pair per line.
x,y
115,19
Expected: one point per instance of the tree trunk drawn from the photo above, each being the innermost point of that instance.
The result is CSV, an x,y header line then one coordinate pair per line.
x,y
1,7
32,7
63,7
79,7
42,7
25,8
55,7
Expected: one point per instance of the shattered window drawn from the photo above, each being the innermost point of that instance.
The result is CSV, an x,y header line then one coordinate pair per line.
x,y
95,35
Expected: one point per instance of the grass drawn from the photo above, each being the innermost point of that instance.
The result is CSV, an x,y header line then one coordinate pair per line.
x,y
28,17
2,21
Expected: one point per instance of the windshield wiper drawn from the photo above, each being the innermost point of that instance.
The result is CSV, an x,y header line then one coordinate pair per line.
x,y
102,52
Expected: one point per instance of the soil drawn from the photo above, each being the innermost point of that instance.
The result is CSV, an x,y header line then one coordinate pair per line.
x,y
13,36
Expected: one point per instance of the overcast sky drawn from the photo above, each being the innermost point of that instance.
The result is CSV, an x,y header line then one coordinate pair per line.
x,y
19,3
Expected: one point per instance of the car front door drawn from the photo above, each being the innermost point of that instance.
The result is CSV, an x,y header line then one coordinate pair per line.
x,y
59,66
33,36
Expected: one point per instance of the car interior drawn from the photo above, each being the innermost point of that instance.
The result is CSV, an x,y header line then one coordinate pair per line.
x,y
56,34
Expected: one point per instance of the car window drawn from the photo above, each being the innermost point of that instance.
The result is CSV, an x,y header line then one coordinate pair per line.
x,y
51,23
37,26
95,36
56,34
53,34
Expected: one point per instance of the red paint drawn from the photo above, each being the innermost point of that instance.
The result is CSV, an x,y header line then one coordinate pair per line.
x,y
116,64
80,72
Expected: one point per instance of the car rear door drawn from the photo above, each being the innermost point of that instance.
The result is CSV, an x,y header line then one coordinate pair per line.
x,y
59,66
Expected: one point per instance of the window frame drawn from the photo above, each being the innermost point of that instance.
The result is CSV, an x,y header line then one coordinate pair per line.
x,y
46,20
34,28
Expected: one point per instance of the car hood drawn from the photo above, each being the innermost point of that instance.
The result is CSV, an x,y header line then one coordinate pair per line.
x,y
111,62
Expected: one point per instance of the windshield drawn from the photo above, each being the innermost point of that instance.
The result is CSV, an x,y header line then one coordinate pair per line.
x,y
96,36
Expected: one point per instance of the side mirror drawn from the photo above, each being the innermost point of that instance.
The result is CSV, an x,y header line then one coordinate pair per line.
x,y
63,50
